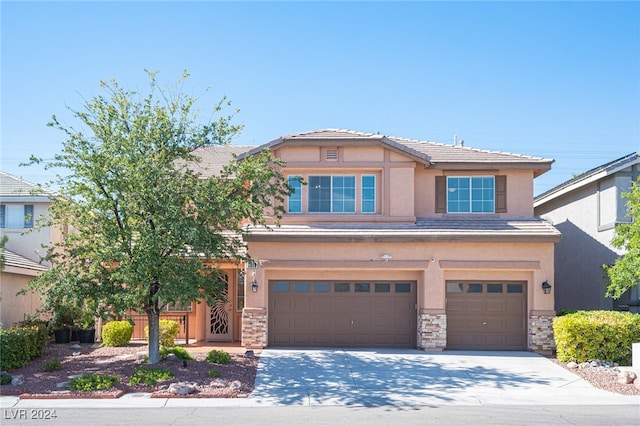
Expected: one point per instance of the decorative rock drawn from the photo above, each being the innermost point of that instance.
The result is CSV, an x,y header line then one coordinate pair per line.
x,y
572,365
218,383
76,346
76,353
141,357
583,365
594,363
172,357
636,382
182,388
96,345
249,354
62,385
626,377
74,376
91,369
17,380
236,384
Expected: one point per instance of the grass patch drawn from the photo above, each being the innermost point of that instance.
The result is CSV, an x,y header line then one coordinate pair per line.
x,y
150,375
92,381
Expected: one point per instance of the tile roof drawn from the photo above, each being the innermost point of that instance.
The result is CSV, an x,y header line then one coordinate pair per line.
x,y
437,229
12,186
433,154
214,158
12,259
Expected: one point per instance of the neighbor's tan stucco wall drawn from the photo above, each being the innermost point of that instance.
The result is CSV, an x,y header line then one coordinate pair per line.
x,y
13,307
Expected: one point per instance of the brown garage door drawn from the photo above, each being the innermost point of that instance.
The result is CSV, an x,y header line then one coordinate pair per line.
x,y
350,314
486,315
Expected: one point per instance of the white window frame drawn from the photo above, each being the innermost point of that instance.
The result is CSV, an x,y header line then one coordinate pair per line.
x,y
471,200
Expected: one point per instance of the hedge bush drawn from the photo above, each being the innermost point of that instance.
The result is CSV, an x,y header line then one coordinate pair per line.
x,y
602,335
20,345
169,330
117,333
218,357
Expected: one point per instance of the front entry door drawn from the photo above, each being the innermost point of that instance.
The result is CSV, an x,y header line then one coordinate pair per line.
x,y
219,322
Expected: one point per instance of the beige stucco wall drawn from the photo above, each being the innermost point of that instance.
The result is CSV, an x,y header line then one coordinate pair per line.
x,y
12,307
28,242
429,264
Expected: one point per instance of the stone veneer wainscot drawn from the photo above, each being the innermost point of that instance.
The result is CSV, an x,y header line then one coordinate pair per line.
x,y
254,327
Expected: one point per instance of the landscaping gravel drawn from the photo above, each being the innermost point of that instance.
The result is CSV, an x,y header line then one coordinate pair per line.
x,y
235,379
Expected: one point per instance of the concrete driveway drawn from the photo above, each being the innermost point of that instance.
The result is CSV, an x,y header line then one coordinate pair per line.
x,y
380,377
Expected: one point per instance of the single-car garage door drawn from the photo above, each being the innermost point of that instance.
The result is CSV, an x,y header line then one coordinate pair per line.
x,y
484,315
350,314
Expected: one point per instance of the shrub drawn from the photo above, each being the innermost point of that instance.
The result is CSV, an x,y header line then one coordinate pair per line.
x,y
169,330
20,345
52,365
150,376
179,352
5,378
218,357
117,333
214,373
603,335
93,381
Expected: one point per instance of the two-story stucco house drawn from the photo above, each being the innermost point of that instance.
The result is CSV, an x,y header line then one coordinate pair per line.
x,y
21,203
393,242
586,210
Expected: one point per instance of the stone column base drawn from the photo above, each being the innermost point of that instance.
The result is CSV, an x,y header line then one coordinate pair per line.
x,y
254,328
541,332
432,329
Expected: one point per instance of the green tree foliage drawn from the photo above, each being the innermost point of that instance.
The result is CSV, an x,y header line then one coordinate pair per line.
x,y
3,241
145,227
625,272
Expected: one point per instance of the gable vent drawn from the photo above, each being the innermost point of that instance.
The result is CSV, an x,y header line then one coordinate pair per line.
x,y
331,155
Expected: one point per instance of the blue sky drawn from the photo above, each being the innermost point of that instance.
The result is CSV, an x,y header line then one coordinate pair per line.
x,y
554,79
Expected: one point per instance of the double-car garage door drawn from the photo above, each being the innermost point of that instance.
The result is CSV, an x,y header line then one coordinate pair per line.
x,y
481,315
342,313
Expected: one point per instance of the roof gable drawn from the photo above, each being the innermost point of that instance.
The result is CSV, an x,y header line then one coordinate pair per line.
x,y
587,177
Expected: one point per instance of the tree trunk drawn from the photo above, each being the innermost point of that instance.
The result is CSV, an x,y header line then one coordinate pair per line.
x,y
154,336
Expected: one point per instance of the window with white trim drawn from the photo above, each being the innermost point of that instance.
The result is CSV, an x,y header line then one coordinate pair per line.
x,y
332,194
295,199
470,194
368,194
16,216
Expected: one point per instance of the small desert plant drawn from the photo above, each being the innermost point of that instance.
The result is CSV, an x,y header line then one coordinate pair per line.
x,y
5,378
179,352
218,357
92,381
117,333
150,376
52,365
214,373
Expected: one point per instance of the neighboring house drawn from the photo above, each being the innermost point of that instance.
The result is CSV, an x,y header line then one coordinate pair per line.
x,y
393,243
586,210
21,203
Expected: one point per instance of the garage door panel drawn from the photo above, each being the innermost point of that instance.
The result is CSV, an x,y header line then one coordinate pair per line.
x,y
485,316
376,316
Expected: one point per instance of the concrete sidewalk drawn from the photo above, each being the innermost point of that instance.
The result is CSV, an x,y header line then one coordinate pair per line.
x,y
380,377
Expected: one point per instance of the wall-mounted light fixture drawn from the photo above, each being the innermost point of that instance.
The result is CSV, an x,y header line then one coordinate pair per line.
x,y
254,286
546,287
386,257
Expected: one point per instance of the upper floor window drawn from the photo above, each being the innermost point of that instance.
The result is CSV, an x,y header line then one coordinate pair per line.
x,y
471,194
332,194
295,199
16,216
368,194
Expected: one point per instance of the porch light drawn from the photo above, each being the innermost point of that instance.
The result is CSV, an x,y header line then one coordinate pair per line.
x,y
254,286
546,287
